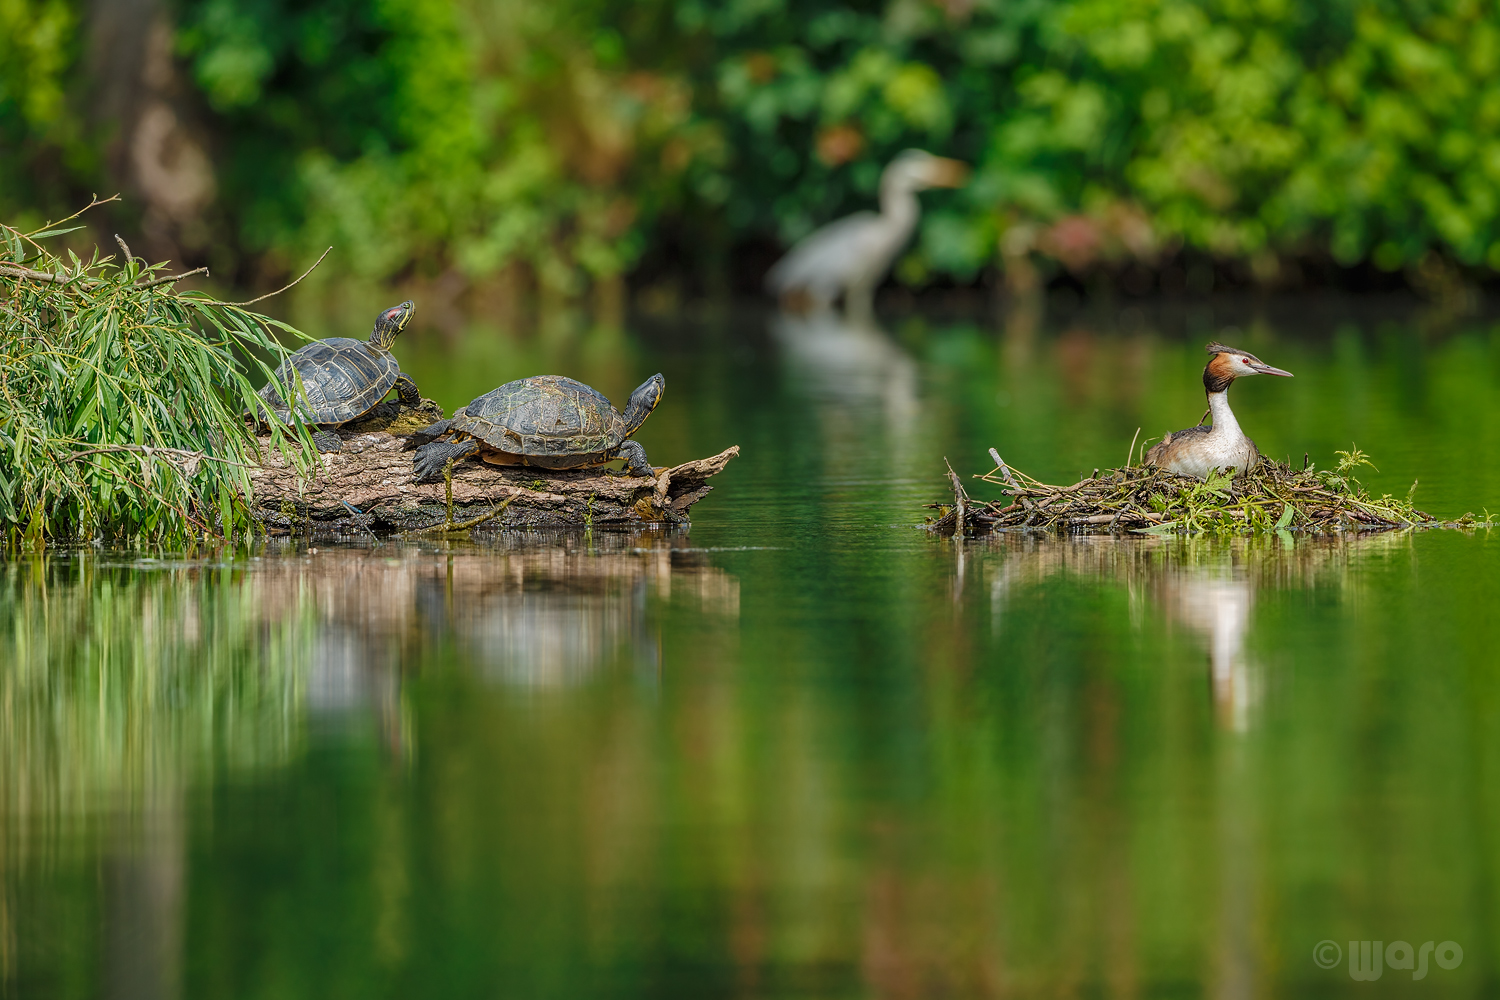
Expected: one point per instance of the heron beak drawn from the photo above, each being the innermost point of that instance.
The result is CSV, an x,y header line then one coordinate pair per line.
x,y
948,173
1261,369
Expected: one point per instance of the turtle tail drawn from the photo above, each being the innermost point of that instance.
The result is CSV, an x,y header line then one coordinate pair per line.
x,y
427,464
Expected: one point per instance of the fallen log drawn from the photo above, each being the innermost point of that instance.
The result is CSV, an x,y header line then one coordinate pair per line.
x,y
367,487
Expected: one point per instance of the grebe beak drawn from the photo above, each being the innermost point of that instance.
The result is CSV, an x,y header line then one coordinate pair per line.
x,y
1263,369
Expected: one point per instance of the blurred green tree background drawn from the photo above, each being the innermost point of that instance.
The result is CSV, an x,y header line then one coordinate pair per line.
x,y
568,141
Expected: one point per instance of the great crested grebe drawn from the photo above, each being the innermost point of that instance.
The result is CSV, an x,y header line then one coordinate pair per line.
x,y
1199,450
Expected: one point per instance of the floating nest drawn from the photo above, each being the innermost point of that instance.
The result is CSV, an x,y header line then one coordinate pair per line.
x,y
1149,500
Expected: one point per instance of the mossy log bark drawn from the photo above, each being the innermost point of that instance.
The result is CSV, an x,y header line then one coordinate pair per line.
x,y
368,487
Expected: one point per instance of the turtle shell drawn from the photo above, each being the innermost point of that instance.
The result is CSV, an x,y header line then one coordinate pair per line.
x,y
343,379
546,417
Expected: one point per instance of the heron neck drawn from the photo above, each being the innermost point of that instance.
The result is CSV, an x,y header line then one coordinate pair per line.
x,y
899,204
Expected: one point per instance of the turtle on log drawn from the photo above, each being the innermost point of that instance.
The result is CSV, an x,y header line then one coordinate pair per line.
x,y
342,379
547,421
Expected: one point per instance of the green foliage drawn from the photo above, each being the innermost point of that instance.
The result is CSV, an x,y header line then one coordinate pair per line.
x,y
121,401
37,39
1116,128
436,134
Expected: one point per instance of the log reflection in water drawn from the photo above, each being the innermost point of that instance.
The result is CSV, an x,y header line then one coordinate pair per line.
x,y
533,608
537,613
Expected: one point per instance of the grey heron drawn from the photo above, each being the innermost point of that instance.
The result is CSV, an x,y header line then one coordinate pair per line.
x,y
851,256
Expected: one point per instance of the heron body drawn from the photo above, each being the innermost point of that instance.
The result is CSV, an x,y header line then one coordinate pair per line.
x,y
849,257
1197,451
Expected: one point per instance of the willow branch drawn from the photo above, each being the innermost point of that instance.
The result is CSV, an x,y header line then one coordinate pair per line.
x,y
146,449
280,290
13,271
171,278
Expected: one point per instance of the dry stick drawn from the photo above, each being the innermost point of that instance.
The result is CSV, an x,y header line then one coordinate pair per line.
x,y
1130,455
280,290
1005,471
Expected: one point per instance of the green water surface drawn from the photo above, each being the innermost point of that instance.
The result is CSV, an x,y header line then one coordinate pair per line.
x,y
802,749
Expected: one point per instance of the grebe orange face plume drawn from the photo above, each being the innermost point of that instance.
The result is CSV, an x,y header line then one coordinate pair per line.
x,y
1197,451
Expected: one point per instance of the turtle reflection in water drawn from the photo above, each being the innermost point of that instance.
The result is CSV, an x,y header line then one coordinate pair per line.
x,y
342,379
547,421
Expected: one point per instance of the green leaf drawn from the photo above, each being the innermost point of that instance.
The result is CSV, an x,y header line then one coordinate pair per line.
x,y
53,232
1285,518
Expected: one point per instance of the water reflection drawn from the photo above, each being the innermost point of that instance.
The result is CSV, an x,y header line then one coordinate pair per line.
x,y
1206,586
861,383
126,679
542,615
853,363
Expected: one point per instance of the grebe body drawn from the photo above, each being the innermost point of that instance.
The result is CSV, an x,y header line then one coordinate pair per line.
x,y
1197,451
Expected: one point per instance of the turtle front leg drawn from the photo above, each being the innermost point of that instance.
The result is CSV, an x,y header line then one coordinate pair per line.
x,y
406,390
327,440
427,464
427,434
636,463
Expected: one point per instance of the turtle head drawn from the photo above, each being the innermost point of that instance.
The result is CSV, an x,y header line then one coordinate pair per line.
x,y
391,322
643,401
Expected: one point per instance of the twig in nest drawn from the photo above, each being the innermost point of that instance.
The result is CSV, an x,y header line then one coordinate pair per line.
x,y
958,499
278,291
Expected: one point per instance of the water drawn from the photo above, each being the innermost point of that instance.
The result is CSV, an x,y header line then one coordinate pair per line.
x,y
802,749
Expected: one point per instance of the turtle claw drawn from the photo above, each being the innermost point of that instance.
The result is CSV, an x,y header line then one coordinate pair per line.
x,y
429,461
327,442
427,434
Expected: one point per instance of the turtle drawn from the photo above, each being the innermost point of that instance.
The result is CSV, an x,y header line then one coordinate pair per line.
x,y
343,378
548,421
